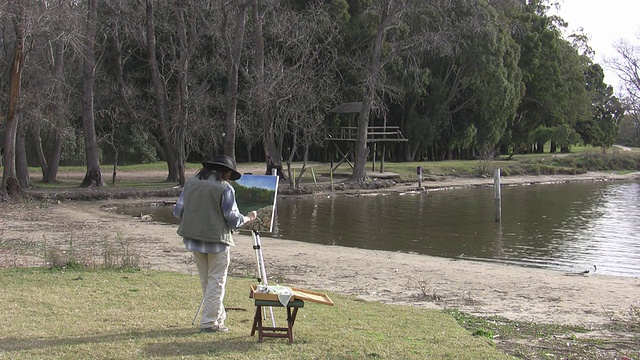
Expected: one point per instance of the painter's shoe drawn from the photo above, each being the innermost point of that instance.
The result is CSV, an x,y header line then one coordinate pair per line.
x,y
215,328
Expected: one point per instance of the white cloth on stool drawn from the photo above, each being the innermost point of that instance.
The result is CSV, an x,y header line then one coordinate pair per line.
x,y
285,294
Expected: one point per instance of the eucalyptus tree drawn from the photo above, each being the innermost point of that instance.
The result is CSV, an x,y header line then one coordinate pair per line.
x,y
124,123
55,59
126,72
388,14
22,169
259,97
162,92
154,45
10,184
292,84
93,175
233,49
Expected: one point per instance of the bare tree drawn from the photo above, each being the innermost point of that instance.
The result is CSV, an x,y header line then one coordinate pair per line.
x,y
10,184
53,31
173,85
627,66
94,174
291,83
22,170
234,51
259,98
391,12
59,35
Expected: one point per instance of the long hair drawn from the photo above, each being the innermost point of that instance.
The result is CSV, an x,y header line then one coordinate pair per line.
x,y
205,172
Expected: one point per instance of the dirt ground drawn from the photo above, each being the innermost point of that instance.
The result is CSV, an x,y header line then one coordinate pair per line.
x,y
478,288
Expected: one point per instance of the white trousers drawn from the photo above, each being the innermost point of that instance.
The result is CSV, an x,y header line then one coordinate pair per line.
x,y
212,269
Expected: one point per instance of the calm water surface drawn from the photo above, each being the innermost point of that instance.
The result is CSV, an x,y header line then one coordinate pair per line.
x,y
566,227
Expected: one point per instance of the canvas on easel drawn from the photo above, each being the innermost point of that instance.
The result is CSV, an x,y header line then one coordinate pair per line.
x,y
257,193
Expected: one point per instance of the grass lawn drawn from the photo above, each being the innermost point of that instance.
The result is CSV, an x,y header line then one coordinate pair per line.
x,y
107,314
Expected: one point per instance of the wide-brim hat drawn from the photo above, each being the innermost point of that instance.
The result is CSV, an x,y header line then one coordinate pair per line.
x,y
225,162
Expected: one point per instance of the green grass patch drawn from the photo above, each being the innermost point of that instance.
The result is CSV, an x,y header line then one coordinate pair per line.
x,y
70,314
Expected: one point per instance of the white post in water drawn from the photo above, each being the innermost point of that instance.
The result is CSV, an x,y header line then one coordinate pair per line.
x,y
498,195
419,171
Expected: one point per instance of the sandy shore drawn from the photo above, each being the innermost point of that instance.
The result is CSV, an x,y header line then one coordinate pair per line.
x,y
474,287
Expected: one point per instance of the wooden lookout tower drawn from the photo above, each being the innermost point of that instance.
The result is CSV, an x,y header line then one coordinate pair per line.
x,y
344,137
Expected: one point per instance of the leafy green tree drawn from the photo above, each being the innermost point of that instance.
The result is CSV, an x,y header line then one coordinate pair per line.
x,y
553,74
564,136
601,128
461,94
493,77
629,134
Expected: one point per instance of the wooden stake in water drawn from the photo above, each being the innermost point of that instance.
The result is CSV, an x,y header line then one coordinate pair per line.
x,y
498,195
331,177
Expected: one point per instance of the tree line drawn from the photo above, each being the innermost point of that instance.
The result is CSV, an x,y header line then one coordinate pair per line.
x,y
131,81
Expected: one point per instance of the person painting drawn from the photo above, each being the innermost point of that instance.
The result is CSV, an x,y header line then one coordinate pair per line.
x,y
208,211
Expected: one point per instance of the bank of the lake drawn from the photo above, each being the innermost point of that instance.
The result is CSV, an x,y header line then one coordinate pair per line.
x,y
33,228
477,287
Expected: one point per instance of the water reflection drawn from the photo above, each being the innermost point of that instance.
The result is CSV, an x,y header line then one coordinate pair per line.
x,y
566,227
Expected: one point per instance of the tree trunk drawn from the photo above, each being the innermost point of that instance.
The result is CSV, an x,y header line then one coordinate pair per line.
x,y
51,174
94,174
234,50
187,41
268,134
115,165
361,152
42,160
172,162
159,91
271,150
10,184
49,163
53,160
22,169
171,123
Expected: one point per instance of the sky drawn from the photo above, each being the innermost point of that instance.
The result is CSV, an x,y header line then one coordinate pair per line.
x,y
605,21
259,181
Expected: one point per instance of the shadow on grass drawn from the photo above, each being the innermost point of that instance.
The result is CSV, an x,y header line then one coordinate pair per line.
x,y
162,342
19,344
210,345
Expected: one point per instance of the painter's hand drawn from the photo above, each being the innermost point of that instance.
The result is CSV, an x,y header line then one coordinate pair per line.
x,y
252,215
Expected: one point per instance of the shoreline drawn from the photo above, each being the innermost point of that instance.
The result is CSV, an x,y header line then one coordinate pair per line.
x,y
476,287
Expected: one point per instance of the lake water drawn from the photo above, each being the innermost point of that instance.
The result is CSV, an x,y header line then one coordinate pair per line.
x,y
567,227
